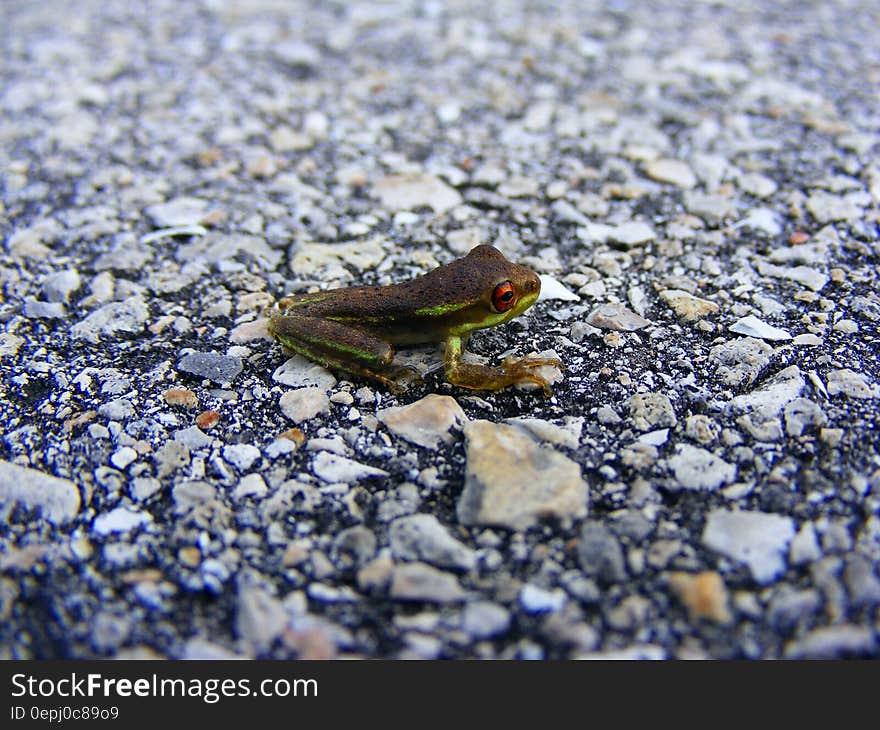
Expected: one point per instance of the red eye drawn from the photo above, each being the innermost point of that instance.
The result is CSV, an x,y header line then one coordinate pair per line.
x,y
504,296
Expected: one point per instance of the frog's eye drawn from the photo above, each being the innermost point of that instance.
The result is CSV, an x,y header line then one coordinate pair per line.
x,y
503,296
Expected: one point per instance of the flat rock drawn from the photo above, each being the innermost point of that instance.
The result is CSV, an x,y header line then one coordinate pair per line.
x,y
534,599
806,275
183,211
740,361
218,368
801,414
483,619
127,316
773,395
35,309
616,317
852,384
833,642
260,617
56,499
420,582
553,289
826,207
600,553
409,192
422,537
751,326
9,344
428,422
513,482
696,468
651,411
304,403
631,233
335,469
687,307
298,372
59,286
671,171
120,520
568,434
758,539
215,249
241,456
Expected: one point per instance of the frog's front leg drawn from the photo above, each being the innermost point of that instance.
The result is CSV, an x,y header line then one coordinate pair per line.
x,y
483,377
338,346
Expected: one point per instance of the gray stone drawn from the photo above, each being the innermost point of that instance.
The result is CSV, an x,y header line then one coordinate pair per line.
x,y
260,617
789,606
534,599
169,457
109,631
250,485
862,583
631,524
193,438
304,403
696,468
616,317
128,316
852,384
754,327
600,553
188,495
241,456
120,520
805,275
802,414
184,211
427,422
59,286
355,544
117,410
758,539
340,469
483,619
804,547
35,309
833,642
650,411
773,395
420,582
408,192
220,369
513,482
422,537
56,499
298,372
740,361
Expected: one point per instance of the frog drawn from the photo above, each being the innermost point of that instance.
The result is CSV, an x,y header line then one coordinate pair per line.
x,y
355,329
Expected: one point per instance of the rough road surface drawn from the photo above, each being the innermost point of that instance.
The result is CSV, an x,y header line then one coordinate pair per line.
x,y
698,185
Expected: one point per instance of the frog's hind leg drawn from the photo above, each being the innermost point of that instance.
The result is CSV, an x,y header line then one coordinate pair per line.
x,y
338,346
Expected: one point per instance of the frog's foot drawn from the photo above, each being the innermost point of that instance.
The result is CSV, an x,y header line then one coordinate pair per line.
x,y
523,370
512,371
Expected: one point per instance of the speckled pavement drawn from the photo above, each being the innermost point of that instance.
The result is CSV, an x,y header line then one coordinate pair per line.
x,y
697,185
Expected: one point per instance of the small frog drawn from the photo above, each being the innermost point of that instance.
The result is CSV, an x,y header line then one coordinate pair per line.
x,y
354,329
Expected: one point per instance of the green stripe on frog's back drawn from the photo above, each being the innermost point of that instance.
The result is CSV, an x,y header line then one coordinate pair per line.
x,y
300,300
438,310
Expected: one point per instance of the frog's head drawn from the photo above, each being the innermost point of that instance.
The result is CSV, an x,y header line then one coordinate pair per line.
x,y
499,290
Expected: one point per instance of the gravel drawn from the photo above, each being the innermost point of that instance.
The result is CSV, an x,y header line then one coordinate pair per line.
x,y
697,187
